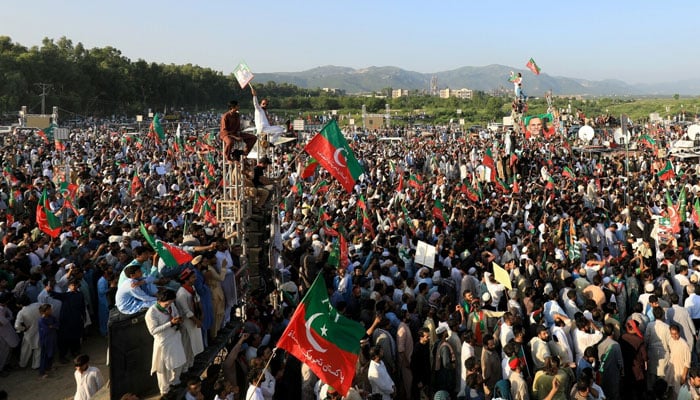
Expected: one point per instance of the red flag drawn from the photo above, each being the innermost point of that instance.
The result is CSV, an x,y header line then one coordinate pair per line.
x,y
59,145
344,259
135,184
45,219
323,339
400,187
331,150
367,223
171,255
490,165
532,66
415,182
439,211
309,168
667,172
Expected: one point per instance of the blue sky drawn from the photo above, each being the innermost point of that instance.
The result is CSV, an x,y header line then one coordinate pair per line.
x,y
634,41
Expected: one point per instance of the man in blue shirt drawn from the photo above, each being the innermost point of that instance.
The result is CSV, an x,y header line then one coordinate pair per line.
x,y
131,296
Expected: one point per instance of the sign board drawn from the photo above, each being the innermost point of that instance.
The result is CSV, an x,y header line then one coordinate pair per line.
x,y
459,111
352,121
507,121
425,254
243,74
61,133
461,121
139,118
228,210
40,121
298,125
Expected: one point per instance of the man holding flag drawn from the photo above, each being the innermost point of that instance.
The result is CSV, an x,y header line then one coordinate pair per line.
x,y
230,131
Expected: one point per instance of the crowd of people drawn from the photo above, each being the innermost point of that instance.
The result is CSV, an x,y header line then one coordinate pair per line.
x,y
601,254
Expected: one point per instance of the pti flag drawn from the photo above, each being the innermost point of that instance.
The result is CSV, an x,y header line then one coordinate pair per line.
x,y
171,255
332,152
156,129
532,66
320,337
243,74
47,221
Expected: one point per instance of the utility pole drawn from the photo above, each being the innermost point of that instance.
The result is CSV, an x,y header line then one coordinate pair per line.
x,y
44,91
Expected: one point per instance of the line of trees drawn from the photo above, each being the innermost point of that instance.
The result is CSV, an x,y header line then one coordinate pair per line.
x,y
103,82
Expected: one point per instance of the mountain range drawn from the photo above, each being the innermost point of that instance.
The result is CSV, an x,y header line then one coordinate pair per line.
x,y
487,78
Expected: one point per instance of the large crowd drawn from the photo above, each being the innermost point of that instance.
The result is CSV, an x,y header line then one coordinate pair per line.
x,y
599,248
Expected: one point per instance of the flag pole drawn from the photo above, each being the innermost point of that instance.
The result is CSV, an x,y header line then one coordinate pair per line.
x,y
262,373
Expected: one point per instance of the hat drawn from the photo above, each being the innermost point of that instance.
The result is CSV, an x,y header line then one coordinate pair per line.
x,y
548,288
186,273
331,389
441,329
196,260
649,287
588,315
434,298
606,280
385,253
486,297
514,364
472,271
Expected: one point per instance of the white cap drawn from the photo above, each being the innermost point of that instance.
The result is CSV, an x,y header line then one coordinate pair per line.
x,y
649,287
548,288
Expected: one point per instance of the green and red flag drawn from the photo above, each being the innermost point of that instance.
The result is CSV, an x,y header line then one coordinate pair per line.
x,y
156,129
439,211
323,215
367,224
46,134
666,172
58,144
136,184
361,202
695,214
309,168
47,221
568,173
472,194
415,181
502,186
399,188
648,141
489,165
209,214
68,189
334,255
321,187
171,255
550,183
673,216
331,150
297,188
323,339
532,66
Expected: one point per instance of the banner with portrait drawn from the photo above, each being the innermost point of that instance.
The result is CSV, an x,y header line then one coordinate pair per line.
x,y
539,126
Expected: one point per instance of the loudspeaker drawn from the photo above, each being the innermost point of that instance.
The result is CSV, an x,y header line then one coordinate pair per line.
x,y
130,352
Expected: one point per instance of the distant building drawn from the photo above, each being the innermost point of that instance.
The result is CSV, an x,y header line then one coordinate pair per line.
x,y
463,93
396,93
337,91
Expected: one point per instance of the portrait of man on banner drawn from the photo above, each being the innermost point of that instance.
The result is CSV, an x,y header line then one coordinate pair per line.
x,y
539,125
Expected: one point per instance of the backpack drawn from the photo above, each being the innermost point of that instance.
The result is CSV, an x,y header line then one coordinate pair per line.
x,y
501,390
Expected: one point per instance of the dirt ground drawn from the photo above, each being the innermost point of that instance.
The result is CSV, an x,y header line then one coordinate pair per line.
x,y
26,383
60,385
